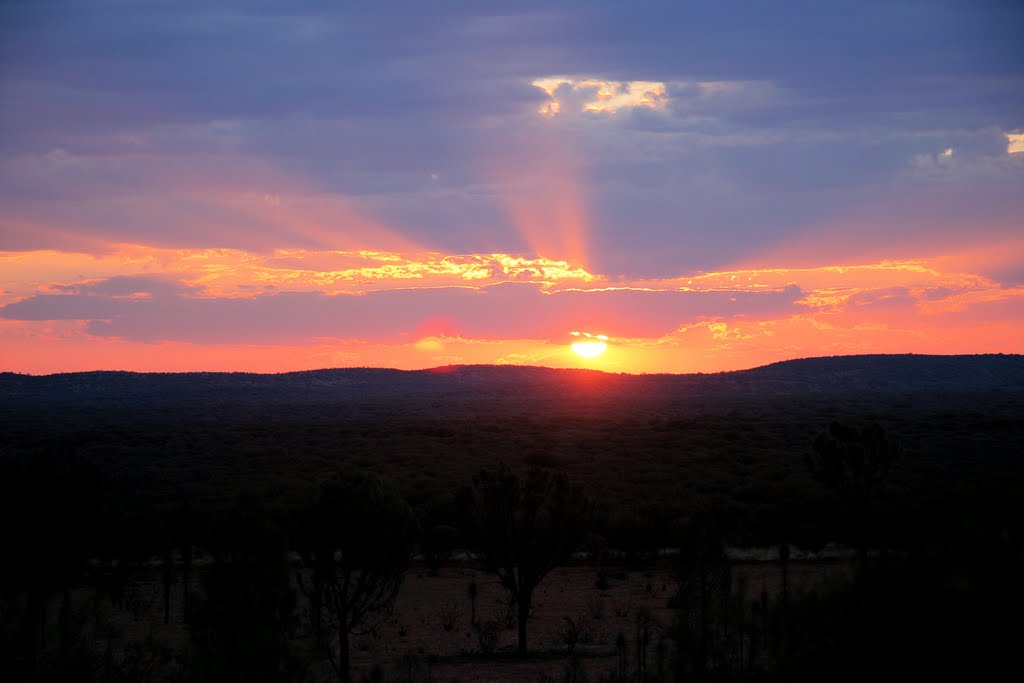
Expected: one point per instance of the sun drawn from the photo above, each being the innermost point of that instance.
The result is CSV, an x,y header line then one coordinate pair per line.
x,y
590,346
589,349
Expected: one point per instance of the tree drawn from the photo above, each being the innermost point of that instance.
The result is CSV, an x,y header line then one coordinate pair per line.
x,y
55,508
240,629
854,462
358,539
524,527
438,546
703,585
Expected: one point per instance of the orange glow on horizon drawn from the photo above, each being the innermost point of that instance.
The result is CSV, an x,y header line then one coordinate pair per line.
x,y
938,305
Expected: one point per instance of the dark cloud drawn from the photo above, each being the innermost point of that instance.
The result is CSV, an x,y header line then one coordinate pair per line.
x,y
175,312
781,117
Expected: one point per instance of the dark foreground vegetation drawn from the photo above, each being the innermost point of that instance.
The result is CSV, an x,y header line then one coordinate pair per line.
x,y
488,523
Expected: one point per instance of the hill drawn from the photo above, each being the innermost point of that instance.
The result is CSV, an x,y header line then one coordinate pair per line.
x,y
654,444
832,375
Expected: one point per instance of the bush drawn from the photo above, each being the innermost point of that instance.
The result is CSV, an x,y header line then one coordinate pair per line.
x,y
487,633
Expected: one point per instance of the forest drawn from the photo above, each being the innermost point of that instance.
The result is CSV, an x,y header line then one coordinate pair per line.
x,y
835,518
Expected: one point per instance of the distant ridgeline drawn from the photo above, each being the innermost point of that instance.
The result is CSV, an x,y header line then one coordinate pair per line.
x,y
850,375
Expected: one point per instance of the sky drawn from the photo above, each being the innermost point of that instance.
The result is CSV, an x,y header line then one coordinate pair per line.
x,y
699,186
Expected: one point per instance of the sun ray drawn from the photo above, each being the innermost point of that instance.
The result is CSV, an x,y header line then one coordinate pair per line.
x,y
541,191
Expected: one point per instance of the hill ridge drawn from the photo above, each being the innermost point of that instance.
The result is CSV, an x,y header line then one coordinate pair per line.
x,y
466,384
1017,359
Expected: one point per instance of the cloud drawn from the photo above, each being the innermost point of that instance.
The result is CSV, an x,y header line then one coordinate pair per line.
x,y
595,96
118,134
1014,143
697,137
177,312
740,310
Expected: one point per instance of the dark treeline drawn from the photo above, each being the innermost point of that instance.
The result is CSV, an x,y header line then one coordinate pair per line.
x,y
266,590
204,540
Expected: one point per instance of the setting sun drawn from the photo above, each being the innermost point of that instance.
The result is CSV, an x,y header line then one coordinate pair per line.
x,y
589,349
591,346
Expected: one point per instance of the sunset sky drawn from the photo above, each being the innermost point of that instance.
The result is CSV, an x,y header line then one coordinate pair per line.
x,y
273,186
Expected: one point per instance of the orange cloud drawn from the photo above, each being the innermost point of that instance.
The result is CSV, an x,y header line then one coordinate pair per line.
x,y
121,309
1014,143
599,96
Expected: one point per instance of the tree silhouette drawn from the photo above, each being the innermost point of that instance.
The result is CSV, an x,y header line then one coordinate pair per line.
x,y
438,545
240,629
358,541
472,591
854,462
184,530
703,583
524,527
55,507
